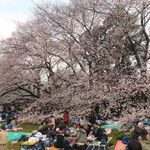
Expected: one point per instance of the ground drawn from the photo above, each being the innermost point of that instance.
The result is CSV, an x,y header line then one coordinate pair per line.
x,y
29,127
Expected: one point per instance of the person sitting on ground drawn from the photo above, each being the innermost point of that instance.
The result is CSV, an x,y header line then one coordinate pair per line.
x,y
99,133
144,134
51,134
66,130
80,140
61,142
3,138
13,122
90,136
74,129
81,121
44,127
88,128
9,119
139,131
134,145
81,136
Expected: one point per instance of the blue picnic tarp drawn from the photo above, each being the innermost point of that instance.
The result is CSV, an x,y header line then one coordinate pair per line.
x,y
15,135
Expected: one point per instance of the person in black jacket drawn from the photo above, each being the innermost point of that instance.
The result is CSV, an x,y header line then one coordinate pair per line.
x,y
96,109
61,142
99,133
139,131
92,119
44,127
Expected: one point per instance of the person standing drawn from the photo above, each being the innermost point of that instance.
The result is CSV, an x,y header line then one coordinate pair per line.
x,y
96,109
52,119
12,108
66,117
1,108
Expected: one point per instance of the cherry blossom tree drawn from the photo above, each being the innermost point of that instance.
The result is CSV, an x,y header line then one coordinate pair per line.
x,y
78,54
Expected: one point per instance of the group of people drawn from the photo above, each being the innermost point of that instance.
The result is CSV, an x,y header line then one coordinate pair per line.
x,y
9,117
65,134
83,130
135,142
78,132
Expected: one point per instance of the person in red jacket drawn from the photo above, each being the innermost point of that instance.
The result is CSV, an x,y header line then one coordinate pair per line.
x,y
66,117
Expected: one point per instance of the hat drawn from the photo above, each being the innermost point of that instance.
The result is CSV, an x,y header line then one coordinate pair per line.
x,y
140,123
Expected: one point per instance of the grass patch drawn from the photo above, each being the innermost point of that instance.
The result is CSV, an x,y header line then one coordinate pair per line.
x,y
114,134
13,146
27,127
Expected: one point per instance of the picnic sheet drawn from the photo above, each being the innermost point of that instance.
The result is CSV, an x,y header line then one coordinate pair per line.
x,y
146,122
111,124
15,135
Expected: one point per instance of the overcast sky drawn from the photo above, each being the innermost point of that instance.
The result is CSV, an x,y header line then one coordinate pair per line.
x,y
12,11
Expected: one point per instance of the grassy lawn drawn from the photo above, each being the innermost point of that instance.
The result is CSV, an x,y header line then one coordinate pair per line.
x,y
29,127
114,134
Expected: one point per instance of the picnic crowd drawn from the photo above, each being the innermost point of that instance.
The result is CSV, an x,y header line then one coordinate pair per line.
x,y
74,133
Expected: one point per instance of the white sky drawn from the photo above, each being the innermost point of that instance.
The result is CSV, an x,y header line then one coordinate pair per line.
x,y
12,11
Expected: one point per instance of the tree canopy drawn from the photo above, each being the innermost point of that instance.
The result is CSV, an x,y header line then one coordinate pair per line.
x,y
77,54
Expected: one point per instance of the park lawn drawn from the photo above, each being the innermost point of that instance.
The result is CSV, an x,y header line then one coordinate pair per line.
x,y
29,127
114,135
